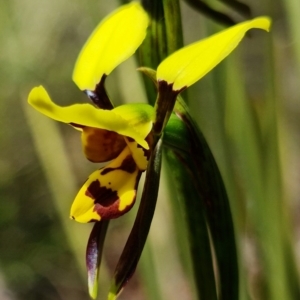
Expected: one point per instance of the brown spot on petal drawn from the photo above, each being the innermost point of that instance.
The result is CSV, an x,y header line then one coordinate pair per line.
x,y
101,195
164,104
99,95
130,140
128,165
101,145
106,200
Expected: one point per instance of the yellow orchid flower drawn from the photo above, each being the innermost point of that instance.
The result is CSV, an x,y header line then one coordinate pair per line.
x,y
120,134
189,64
125,136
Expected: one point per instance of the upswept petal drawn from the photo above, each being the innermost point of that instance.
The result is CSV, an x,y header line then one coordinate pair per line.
x,y
133,120
187,65
109,192
114,40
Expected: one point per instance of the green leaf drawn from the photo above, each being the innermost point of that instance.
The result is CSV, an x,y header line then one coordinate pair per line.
x,y
197,157
192,210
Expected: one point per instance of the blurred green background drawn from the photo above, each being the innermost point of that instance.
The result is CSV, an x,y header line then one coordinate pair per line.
x,y
248,109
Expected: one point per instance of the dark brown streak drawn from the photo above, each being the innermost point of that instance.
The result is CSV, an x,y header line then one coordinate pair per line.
x,y
128,165
106,201
164,105
99,95
101,195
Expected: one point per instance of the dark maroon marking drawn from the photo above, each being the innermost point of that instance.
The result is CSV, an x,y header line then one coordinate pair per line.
x,y
164,104
128,165
77,125
106,201
102,195
130,140
99,95
93,220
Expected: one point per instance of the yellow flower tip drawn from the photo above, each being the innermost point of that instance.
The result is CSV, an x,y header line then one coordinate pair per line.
x,y
38,97
81,216
93,289
114,40
111,296
263,22
189,64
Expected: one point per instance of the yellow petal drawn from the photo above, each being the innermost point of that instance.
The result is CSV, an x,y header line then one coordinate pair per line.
x,y
109,192
114,40
133,120
187,65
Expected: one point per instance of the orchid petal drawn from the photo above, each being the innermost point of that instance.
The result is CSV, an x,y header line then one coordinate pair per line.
x,y
187,65
114,40
109,192
132,120
101,145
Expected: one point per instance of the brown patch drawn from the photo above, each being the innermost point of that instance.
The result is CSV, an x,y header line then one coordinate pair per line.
x,y
128,165
101,145
164,105
106,201
101,195
99,95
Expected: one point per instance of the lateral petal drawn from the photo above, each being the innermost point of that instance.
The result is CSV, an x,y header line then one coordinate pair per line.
x,y
187,65
114,40
133,120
